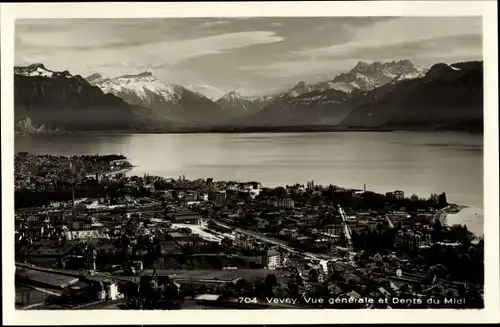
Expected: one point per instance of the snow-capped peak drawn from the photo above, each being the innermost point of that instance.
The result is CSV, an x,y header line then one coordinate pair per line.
x,y
94,77
208,91
365,76
140,75
407,76
232,96
142,86
302,85
39,69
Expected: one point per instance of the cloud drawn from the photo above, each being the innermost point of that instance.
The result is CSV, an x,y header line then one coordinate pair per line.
x,y
397,32
448,49
432,48
155,54
298,68
214,23
173,52
435,40
267,53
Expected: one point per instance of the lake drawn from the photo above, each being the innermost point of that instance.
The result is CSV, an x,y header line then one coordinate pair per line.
x,y
416,162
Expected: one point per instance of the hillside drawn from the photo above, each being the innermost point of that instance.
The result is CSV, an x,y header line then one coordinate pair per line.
x,y
329,102
167,102
445,96
237,105
66,102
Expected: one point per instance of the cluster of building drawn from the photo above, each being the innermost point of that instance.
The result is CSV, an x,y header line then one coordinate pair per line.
x,y
238,225
46,172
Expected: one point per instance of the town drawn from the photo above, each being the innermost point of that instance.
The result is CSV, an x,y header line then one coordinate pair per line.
x,y
89,236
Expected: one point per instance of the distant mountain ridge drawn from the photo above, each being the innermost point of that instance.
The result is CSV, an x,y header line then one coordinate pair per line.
x,y
25,126
208,91
363,77
237,105
384,101
445,96
366,77
169,102
310,103
379,95
69,102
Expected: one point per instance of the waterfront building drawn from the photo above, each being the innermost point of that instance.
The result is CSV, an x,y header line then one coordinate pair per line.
x,y
117,163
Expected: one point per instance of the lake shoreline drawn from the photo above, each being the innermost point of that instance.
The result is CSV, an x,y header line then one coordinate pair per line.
x,y
418,163
259,129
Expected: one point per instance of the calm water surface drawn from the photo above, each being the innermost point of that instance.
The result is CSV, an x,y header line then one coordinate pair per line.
x,y
418,163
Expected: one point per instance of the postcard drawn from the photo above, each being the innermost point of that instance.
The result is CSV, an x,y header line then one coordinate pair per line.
x,y
315,162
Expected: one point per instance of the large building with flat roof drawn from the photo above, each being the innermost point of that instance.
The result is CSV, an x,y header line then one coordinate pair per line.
x,y
45,279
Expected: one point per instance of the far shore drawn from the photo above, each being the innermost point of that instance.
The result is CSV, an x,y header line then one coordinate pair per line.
x,y
251,130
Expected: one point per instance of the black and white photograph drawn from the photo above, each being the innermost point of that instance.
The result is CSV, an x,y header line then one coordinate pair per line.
x,y
259,162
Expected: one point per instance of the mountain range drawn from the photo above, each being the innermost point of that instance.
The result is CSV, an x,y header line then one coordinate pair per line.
x,y
173,103
376,95
62,100
209,91
237,105
321,103
446,96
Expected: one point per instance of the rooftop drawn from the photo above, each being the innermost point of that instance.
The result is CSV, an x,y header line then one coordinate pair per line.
x,y
54,280
207,297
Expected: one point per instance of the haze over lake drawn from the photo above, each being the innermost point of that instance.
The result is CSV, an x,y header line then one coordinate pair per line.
x,y
420,163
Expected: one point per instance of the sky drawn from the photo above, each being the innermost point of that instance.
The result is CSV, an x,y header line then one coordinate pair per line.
x,y
254,56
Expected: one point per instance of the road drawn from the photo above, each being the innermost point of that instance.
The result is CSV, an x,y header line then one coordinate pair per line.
x,y
391,225
113,172
347,229
440,215
280,243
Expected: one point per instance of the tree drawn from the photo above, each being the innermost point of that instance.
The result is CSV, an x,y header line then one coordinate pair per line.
x,y
434,199
437,229
242,286
343,239
279,191
170,296
461,234
226,243
442,202
130,290
271,281
414,198
293,288
337,276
